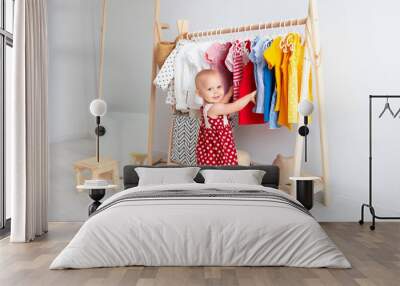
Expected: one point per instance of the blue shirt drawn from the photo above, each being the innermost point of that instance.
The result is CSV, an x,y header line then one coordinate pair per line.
x,y
257,57
273,115
269,85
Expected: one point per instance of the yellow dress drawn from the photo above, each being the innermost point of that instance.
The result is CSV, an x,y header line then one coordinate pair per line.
x,y
295,77
283,103
300,75
273,55
294,74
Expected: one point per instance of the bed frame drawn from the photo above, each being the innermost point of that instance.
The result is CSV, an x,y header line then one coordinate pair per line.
x,y
270,179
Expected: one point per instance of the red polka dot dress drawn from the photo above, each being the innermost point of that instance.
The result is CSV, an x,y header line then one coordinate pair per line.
x,y
215,144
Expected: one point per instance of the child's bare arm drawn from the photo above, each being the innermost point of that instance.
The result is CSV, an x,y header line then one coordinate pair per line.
x,y
228,95
228,108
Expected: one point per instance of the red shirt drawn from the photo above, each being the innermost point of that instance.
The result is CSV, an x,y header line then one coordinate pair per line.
x,y
247,85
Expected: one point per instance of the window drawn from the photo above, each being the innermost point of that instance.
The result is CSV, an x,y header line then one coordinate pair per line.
x,y
6,60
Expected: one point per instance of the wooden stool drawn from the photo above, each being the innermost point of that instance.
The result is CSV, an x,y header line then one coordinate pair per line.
x,y
138,158
106,169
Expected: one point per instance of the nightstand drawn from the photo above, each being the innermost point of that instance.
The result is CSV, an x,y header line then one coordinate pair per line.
x,y
105,169
96,194
305,190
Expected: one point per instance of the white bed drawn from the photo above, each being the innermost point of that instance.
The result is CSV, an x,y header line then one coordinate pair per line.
x,y
185,230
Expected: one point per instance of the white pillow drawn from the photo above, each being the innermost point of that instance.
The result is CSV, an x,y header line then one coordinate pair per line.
x,y
163,176
248,177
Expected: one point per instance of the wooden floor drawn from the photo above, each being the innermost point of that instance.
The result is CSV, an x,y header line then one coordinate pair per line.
x,y
375,257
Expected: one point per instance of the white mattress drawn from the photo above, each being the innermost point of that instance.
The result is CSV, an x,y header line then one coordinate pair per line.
x,y
200,231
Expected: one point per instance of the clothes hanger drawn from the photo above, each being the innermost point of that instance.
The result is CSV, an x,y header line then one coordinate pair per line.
x,y
218,36
289,39
248,34
272,31
282,44
289,36
301,32
232,34
282,35
387,107
259,31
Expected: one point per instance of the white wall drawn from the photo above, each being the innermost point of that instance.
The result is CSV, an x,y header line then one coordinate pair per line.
x,y
73,78
127,55
72,85
359,59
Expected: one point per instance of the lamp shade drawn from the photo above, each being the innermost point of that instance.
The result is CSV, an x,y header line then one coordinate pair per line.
x,y
305,107
98,107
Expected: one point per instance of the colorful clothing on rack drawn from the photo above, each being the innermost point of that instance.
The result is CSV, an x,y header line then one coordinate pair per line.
x,y
215,144
273,55
246,86
257,57
215,56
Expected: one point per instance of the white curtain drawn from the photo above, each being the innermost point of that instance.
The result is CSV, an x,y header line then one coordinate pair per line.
x,y
27,142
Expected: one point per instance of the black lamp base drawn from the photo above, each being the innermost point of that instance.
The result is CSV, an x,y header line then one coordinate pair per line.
x,y
305,193
304,130
101,130
96,195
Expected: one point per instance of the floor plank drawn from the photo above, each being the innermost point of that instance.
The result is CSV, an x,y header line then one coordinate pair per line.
x,y
375,257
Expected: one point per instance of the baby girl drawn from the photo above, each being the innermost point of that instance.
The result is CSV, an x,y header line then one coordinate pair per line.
x,y
215,144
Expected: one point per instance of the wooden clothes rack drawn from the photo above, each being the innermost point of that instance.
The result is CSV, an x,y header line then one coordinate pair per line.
x,y
312,41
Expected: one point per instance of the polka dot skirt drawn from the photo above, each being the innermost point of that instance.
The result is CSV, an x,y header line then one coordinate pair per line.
x,y
215,145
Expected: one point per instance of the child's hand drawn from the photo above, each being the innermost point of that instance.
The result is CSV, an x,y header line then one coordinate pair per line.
x,y
253,96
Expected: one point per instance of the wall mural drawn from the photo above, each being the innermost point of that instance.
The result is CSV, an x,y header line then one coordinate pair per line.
x,y
183,103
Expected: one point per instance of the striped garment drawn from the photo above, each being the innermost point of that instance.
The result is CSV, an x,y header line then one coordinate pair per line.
x,y
237,67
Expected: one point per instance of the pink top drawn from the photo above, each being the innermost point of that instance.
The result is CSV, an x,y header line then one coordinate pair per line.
x,y
235,60
215,56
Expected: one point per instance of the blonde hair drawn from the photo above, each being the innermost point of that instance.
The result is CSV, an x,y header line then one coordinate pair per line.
x,y
201,74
